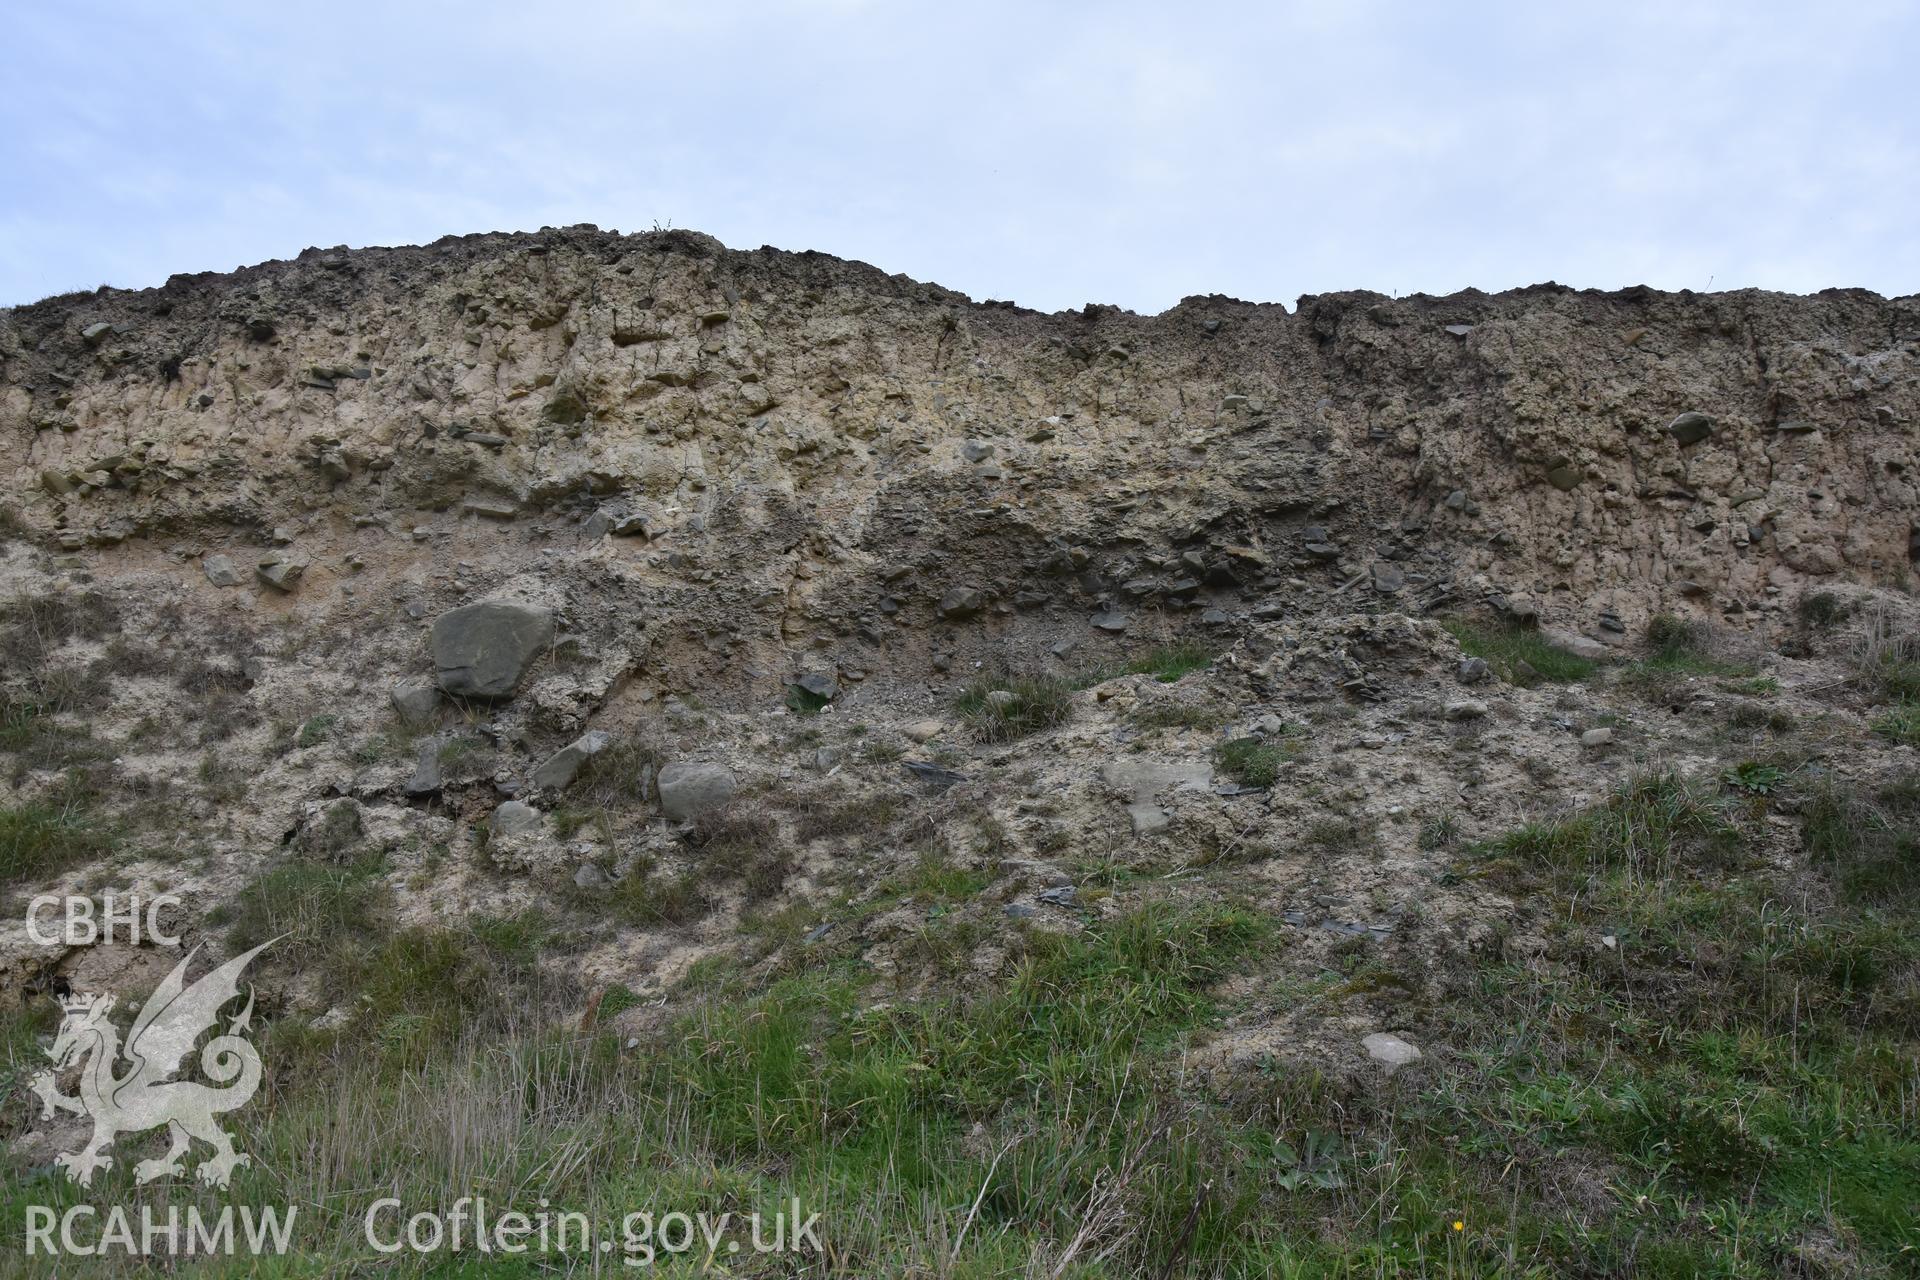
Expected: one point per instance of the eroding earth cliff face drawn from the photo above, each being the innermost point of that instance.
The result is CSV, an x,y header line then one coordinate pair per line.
x,y
768,516
1600,453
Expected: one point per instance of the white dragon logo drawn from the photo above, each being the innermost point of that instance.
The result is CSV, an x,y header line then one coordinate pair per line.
x,y
163,1035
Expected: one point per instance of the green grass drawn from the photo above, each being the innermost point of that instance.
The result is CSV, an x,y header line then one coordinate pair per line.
x,y
1506,649
1036,703
1736,1056
741,844
1870,843
1678,649
316,731
805,702
1441,832
32,733
40,838
1169,663
1341,833
457,753
1886,661
1166,663
1036,1097
417,988
877,752
321,913
1251,762
934,880
651,896
1886,664
406,991
19,724
1901,724
1898,681
1652,826
1754,778
1823,609
570,820
517,938
1727,1090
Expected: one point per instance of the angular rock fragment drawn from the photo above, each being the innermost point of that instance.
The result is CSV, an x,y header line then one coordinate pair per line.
x,y
1390,1051
559,770
220,571
415,701
821,684
1690,428
961,602
279,572
426,778
482,650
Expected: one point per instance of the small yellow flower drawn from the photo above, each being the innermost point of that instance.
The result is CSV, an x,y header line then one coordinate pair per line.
x,y
1459,1226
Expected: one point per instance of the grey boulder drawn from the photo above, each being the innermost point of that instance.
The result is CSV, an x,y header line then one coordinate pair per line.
x,y
482,650
1147,819
821,684
961,602
1390,1051
559,770
516,818
279,572
220,571
1578,645
426,778
1690,428
1388,579
415,701
689,788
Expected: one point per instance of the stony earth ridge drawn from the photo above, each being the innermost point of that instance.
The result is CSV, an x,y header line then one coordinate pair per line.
x,y
393,549
1602,455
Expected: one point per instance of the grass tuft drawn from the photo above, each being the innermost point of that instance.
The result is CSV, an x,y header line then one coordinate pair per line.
x,y
1519,655
1253,762
649,895
1901,724
805,702
1678,651
1653,826
40,838
1034,703
1886,660
1869,843
1823,609
323,915
1167,663
618,778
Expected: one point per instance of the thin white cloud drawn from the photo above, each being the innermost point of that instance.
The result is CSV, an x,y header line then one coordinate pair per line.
x,y
1051,153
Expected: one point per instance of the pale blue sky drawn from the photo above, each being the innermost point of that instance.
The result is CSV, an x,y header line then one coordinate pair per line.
x,y
1054,154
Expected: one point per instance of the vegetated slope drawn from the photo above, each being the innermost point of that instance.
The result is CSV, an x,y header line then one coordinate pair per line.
x,y
996,776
